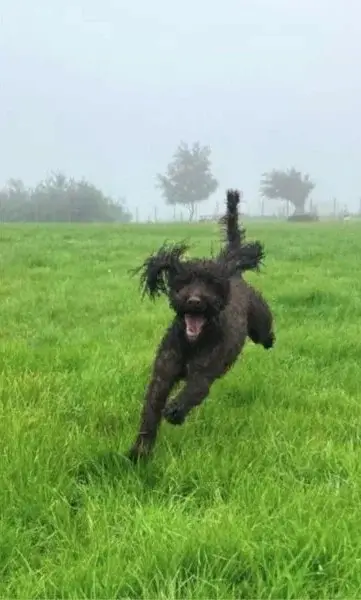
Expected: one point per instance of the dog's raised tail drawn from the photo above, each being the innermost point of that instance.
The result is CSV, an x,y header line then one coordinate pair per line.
x,y
241,255
233,232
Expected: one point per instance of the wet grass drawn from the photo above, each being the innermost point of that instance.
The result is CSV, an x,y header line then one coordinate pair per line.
x,y
257,496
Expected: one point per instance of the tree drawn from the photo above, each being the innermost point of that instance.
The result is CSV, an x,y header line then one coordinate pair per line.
x,y
189,178
15,201
288,185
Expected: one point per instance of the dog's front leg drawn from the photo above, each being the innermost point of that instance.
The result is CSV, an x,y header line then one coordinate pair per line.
x,y
196,389
202,372
166,373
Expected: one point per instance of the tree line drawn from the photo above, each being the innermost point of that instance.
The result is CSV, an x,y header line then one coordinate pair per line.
x,y
188,180
59,198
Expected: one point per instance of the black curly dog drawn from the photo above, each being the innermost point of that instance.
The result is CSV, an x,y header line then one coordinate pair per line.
x,y
215,310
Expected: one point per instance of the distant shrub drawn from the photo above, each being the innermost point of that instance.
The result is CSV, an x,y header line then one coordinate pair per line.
x,y
59,199
304,217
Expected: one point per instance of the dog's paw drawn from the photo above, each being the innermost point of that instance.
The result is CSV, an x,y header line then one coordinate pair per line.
x,y
174,414
138,452
269,342
134,454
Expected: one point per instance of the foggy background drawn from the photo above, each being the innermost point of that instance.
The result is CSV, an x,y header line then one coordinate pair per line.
x,y
107,89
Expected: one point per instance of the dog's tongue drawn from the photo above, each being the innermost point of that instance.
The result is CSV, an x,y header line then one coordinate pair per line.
x,y
194,324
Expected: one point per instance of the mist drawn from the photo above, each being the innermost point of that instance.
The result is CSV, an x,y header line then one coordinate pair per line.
x,y
106,91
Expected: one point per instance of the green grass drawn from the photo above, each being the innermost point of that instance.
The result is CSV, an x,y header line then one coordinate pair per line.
x,y
256,496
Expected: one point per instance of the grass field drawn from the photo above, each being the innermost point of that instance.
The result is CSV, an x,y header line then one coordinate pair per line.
x,y
257,496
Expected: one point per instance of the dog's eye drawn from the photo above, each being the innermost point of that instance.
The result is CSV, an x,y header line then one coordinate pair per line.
x,y
174,283
180,281
219,287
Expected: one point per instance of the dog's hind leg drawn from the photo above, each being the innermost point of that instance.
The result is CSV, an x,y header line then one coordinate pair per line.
x,y
259,320
167,371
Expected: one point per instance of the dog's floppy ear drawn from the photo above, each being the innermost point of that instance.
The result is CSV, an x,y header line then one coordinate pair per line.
x,y
247,257
155,271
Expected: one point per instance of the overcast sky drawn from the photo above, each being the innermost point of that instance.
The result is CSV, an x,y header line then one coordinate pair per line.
x,y
107,89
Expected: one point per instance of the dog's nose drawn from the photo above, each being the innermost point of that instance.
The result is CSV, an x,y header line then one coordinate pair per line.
x,y
194,302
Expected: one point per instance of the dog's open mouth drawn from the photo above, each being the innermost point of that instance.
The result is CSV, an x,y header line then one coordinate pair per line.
x,y
194,325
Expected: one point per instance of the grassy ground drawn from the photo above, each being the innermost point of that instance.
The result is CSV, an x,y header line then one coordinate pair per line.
x,y
257,496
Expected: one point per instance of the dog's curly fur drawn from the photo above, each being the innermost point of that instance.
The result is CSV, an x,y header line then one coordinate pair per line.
x,y
215,310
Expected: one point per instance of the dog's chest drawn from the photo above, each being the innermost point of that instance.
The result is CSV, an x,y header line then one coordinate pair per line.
x,y
200,359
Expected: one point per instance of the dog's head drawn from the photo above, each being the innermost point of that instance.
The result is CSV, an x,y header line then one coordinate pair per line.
x,y
198,290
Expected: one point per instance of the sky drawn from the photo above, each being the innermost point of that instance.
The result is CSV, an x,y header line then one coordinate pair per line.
x,y
107,89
